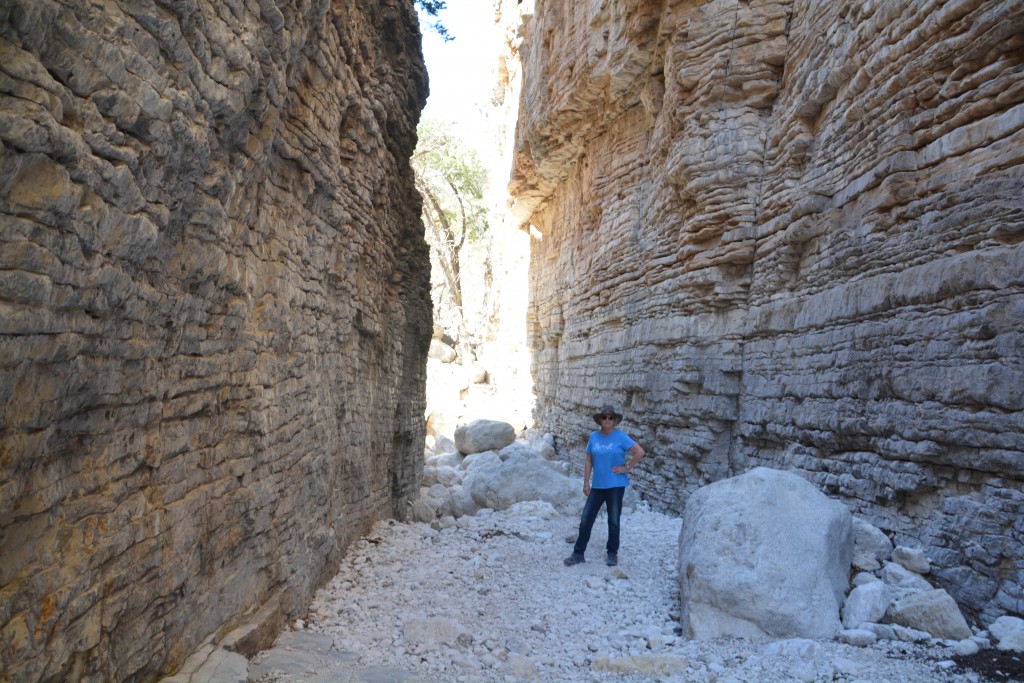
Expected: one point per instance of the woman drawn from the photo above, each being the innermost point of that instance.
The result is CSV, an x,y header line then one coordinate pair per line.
x,y
607,462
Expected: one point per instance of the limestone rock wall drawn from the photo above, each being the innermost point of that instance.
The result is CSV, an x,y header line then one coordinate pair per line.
x,y
214,316
790,234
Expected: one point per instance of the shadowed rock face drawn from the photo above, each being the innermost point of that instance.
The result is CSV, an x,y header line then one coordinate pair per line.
x,y
214,315
790,234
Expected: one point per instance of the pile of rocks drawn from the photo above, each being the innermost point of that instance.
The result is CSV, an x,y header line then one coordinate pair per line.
x,y
739,535
485,466
893,599
766,553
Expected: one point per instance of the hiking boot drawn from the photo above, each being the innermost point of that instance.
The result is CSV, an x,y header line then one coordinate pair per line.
x,y
613,559
575,558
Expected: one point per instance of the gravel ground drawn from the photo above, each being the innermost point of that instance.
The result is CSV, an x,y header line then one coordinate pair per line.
x,y
490,600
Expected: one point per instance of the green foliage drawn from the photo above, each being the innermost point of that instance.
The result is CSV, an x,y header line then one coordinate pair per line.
x,y
452,175
431,8
452,180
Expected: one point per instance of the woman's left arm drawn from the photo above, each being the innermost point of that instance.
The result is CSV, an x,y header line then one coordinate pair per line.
x,y
637,453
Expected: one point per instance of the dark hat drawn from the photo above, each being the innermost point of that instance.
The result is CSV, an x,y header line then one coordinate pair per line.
x,y
607,410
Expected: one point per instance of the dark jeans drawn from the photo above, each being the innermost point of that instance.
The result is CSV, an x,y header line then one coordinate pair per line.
x,y
598,497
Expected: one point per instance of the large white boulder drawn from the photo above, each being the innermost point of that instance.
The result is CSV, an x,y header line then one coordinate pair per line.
x,y
498,485
484,435
764,553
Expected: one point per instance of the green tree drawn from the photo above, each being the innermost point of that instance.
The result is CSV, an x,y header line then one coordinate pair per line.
x,y
451,179
431,8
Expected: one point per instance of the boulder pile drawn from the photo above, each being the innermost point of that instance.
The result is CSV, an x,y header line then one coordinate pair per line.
x,y
893,599
763,554
487,467
767,554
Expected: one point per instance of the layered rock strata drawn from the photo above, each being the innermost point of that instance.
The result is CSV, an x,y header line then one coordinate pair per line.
x,y
214,316
790,234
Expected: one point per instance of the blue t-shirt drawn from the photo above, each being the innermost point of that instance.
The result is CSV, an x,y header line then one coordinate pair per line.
x,y
607,452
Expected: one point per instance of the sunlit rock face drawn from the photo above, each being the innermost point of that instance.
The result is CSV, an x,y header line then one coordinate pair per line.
x,y
790,234
214,316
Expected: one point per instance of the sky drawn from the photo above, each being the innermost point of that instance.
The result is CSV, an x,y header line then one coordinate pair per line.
x,y
462,70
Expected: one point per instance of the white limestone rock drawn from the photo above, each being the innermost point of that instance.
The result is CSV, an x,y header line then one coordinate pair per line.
x,y
450,458
934,612
1009,633
520,448
477,374
650,664
430,632
871,547
881,631
482,459
442,352
425,510
448,476
764,553
543,443
429,476
533,508
443,444
910,635
498,486
860,637
912,558
863,577
460,502
866,603
484,435
443,522
903,582
800,648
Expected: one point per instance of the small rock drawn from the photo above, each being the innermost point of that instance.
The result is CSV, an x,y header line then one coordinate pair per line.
x,y
912,559
521,667
871,546
966,647
910,635
862,578
803,648
904,582
861,637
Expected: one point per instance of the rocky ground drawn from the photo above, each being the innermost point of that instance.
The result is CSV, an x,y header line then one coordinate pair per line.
x,y
490,600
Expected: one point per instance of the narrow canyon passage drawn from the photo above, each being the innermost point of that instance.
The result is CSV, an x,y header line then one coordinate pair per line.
x,y
776,234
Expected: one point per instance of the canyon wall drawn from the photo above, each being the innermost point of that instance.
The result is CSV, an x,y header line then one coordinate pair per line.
x,y
789,233
214,316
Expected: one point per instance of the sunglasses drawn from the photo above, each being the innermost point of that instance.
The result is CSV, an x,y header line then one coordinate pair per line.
x,y
607,417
